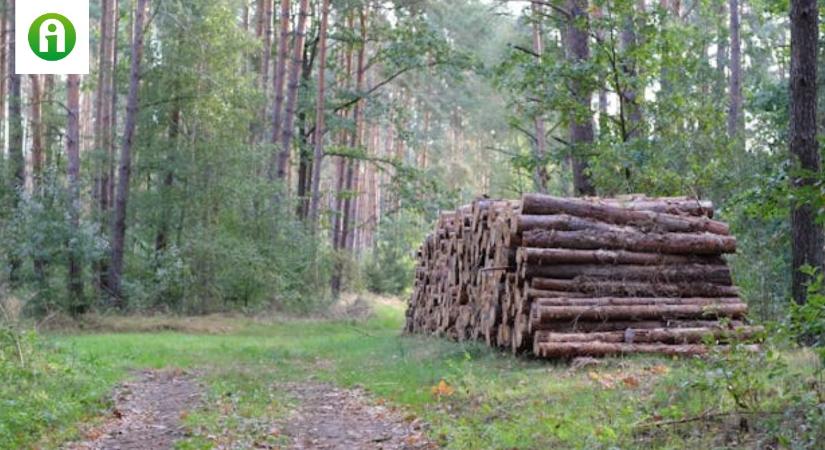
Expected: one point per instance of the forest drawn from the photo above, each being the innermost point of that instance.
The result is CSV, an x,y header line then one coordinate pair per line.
x,y
221,221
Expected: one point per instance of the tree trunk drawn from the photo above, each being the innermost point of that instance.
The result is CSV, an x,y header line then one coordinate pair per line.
x,y
581,123
278,88
806,233
639,289
353,167
292,91
629,94
3,82
125,165
73,172
162,236
318,153
103,103
104,189
16,159
718,273
672,243
735,108
543,313
526,255
607,212
540,144
36,119
722,41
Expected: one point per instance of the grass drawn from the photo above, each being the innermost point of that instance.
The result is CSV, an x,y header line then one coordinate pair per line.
x,y
489,400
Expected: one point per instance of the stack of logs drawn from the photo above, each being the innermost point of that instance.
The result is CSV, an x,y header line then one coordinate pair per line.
x,y
567,277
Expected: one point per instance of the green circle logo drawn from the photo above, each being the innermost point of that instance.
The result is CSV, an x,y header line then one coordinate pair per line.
x,y
52,37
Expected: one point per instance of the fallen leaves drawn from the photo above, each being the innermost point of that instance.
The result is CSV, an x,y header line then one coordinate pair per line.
x,y
609,380
442,389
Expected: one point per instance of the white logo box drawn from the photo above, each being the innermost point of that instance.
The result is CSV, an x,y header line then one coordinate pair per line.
x,y
26,62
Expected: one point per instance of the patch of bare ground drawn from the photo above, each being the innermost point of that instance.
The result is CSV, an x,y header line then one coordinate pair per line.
x,y
332,418
147,413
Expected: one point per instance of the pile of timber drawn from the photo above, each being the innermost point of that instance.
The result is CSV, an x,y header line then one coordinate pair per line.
x,y
563,277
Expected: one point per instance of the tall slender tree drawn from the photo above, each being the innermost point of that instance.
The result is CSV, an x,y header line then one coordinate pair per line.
x,y
278,88
73,174
17,163
125,164
292,90
736,102
806,234
581,122
540,141
318,153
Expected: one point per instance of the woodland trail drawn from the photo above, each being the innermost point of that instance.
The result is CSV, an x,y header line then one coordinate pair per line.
x,y
333,418
147,413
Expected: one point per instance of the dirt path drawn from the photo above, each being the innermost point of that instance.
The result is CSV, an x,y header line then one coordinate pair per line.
x,y
147,413
331,418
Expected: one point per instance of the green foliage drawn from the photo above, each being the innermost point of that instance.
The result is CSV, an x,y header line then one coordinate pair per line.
x,y
44,389
390,267
808,320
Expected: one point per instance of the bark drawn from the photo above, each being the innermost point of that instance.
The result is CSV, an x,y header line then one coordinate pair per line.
x,y
17,162
648,220
318,153
353,169
670,243
3,79
292,91
278,88
75,275
36,119
570,349
583,326
125,164
806,234
581,122
564,222
633,301
104,188
721,52
652,335
639,289
103,104
542,313
719,274
546,256
735,108
630,98
540,144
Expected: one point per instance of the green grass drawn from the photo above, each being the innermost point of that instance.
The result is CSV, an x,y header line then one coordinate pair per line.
x,y
498,401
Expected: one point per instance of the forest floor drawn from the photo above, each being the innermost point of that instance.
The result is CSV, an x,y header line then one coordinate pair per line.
x,y
354,381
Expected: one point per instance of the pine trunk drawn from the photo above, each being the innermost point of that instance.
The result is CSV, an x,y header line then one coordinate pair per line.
x,y
318,153
125,164
292,91
806,233
581,125
75,273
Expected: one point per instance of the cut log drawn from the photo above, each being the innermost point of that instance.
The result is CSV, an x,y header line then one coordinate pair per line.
x,y
635,289
541,314
570,349
651,335
648,220
719,274
546,256
671,243
574,325
631,301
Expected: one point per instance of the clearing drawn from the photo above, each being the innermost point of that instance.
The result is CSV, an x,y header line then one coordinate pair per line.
x,y
239,383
